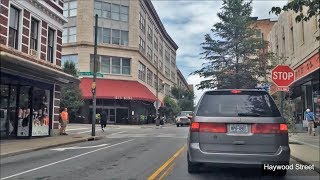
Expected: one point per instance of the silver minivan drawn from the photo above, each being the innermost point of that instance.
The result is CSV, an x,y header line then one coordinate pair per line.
x,y
237,127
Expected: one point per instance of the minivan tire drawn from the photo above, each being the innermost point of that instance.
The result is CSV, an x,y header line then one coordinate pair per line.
x,y
192,167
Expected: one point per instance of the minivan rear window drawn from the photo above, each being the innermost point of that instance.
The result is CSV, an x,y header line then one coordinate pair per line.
x,y
245,103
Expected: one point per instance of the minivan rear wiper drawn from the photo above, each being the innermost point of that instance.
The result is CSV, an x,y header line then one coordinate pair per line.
x,y
249,114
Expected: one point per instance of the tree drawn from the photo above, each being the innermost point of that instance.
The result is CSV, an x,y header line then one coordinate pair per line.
x,y
171,108
298,6
232,61
71,95
185,98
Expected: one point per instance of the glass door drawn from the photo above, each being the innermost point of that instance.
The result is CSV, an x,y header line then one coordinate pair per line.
x,y
4,89
24,111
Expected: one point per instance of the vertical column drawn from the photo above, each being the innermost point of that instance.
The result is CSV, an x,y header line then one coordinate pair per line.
x,y
44,34
56,109
59,48
4,14
25,31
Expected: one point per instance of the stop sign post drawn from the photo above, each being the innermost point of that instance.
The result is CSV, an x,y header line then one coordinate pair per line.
x,y
283,77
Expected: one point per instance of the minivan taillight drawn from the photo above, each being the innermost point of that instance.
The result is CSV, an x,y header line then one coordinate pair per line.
x,y
270,128
213,127
194,127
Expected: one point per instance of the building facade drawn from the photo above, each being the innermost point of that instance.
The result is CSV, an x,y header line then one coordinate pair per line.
x,y
31,75
296,41
135,55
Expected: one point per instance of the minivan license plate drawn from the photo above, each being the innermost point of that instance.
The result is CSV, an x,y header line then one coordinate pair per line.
x,y
238,128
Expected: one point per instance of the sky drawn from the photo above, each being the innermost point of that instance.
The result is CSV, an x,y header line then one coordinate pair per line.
x,y
187,21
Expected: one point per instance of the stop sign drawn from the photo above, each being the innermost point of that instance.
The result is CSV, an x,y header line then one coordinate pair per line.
x,y
282,75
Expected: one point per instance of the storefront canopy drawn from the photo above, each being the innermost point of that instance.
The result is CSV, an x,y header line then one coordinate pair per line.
x,y
116,89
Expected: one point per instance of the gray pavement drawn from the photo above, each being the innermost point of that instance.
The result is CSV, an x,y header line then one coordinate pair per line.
x,y
123,153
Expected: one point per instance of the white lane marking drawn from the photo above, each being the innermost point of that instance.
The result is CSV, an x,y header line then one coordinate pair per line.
x,y
34,169
305,143
116,133
87,131
78,147
75,129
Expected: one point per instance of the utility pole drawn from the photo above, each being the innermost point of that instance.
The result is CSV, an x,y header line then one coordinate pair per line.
x,y
157,89
94,99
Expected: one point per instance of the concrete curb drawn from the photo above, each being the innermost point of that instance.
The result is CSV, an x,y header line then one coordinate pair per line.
x,y
51,146
305,163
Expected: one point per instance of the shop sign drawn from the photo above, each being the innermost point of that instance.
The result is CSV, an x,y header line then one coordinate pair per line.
x,y
120,97
307,67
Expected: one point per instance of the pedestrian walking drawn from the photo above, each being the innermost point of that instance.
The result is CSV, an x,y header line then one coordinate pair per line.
x,y
64,121
310,118
103,120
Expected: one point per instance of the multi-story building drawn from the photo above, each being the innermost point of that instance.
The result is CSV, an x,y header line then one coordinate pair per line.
x,y
296,42
135,56
31,75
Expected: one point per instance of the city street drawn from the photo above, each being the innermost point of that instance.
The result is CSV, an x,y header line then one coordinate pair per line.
x,y
125,152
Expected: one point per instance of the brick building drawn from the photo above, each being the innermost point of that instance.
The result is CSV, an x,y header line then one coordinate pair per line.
x,y
135,56
31,75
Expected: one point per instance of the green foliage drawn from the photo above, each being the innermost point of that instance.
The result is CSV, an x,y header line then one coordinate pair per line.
x,y
71,95
297,6
288,110
70,68
185,98
232,62
171,107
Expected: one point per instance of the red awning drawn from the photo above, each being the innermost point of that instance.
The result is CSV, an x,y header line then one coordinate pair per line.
x,y
116,89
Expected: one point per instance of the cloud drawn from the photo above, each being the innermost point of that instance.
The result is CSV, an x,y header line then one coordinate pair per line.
x,y
187,21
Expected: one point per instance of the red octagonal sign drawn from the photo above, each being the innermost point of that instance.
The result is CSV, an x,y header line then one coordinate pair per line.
x,y
282,75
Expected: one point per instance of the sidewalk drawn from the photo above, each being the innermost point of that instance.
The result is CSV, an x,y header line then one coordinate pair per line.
x,y
305,149
19,146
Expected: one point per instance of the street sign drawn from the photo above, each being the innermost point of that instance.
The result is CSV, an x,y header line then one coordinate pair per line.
x,y
282,75
89,74
283,89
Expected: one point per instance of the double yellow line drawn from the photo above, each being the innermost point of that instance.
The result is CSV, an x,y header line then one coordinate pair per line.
x,y
165,165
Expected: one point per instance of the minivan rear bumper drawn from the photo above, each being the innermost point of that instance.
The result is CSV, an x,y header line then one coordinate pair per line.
x,y
196,155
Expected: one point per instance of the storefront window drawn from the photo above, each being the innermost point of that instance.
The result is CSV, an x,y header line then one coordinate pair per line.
x,y
316,98
24,113
40,116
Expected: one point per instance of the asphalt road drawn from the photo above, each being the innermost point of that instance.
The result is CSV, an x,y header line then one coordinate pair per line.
x,y
124,153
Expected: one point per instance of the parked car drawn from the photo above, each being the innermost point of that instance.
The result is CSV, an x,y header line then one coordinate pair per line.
x,y
182,118
237,127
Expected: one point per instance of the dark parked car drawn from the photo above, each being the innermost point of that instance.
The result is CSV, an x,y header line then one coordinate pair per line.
x,y
237,127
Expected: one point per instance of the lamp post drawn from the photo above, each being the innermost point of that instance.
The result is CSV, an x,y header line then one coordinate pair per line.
x,y
94,98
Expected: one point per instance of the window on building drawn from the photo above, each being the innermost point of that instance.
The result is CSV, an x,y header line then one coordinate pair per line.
x,y
126,66
115,12
155,60
150,33
105,64
112,36
167,72
160,49
116,36
155,81
292,40
34,34
167,56
155,43
258,33
149,77
161,85
111,65
124,13
70,9
149,53
142,45
173,76
116,65
142,23
302,32
106,35
69,35
142,72
71,58
14,27
173,60
160,66
50,47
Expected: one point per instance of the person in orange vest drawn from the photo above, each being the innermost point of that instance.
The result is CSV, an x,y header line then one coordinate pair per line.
x,y
64,121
